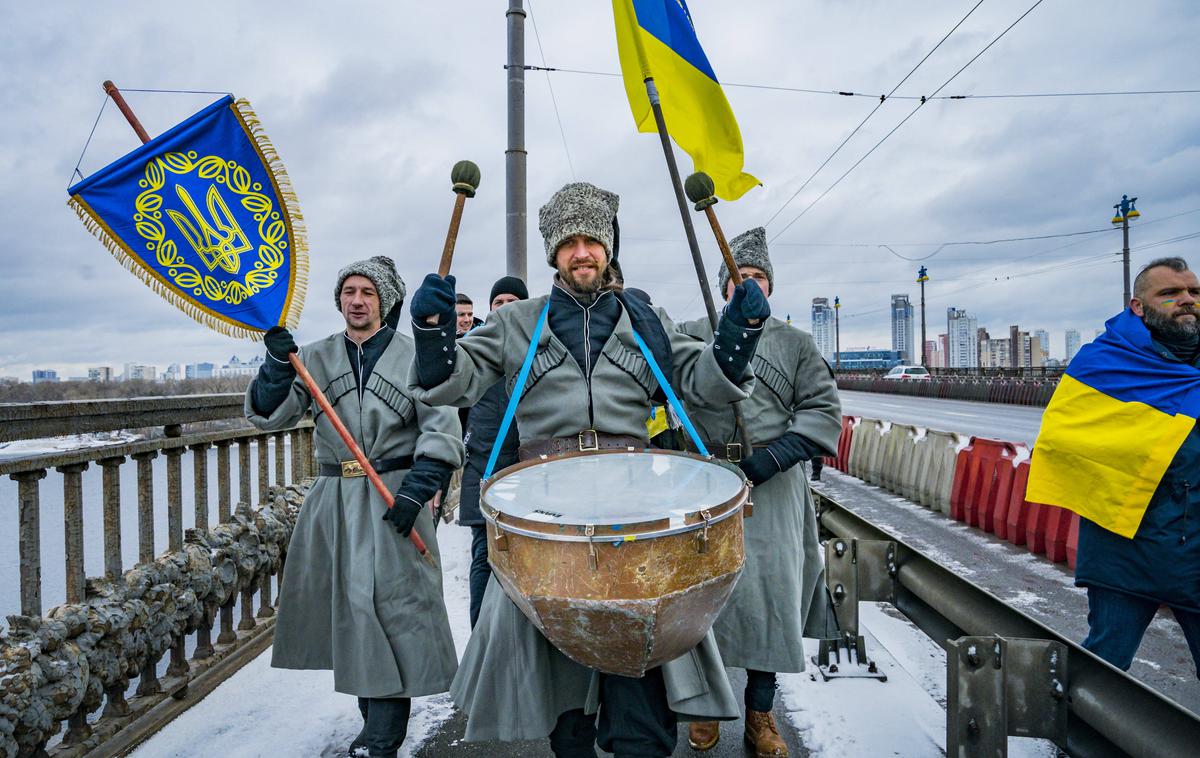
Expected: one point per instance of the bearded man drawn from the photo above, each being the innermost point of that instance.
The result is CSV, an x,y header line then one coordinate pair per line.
x,y
793,416
1128,579
356,597
589,382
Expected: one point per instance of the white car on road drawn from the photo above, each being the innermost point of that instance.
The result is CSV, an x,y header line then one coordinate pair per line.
x,y
907,372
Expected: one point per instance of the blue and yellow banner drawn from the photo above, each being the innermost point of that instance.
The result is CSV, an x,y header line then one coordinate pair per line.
x,y
205,215
1120,414
655,38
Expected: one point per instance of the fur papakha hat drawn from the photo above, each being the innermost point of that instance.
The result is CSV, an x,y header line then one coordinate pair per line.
x,y
749,249
381,270
578,208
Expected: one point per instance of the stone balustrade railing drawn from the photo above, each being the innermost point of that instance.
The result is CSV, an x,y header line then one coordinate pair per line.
x,y
92,663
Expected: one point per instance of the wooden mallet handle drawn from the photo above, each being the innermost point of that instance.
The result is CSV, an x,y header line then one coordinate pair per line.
x,y
464,178
700,190
355,450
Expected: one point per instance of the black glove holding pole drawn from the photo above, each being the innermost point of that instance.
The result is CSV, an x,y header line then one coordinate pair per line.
x,y
434,342
741,326
276,374
780,455
420,484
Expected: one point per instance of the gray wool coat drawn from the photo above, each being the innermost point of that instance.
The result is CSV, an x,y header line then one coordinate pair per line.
x,y
512,683
779,598
356,597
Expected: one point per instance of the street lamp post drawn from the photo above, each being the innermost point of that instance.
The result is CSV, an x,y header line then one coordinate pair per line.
x,y
1125,211
922,277
837,334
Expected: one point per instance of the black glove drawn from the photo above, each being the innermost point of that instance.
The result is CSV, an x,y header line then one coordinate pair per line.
x,y
420,484
780,455
748,304
279,342
435,297
403,514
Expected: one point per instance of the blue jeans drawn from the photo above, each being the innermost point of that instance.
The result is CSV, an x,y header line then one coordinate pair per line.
x,y
1117,621
481,571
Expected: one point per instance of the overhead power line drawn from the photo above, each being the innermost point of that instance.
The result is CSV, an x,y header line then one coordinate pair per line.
x,y
903,121
862,123
553,99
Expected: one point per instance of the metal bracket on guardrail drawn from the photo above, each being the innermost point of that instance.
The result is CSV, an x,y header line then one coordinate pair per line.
x,y
854,570
999,687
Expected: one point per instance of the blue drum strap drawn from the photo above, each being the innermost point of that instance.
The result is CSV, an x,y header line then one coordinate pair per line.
x,y
670,393
518,388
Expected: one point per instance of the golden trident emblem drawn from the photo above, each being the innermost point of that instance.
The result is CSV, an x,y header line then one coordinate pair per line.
x,y
219,242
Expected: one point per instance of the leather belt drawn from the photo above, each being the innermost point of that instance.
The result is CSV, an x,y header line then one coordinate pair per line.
x,y
588,439
726,451
349,469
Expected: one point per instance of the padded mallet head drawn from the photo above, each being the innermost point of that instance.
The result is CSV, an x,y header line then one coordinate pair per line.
x,y
465,178
700,190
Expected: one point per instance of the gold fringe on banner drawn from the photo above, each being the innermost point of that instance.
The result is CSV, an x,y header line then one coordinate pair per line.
x,y
298,234
110,241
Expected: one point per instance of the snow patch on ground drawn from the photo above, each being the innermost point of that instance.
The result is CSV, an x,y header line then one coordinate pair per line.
x,y
261,711
64,444
904,716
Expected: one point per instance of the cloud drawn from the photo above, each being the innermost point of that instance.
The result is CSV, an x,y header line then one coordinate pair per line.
x,y
371,103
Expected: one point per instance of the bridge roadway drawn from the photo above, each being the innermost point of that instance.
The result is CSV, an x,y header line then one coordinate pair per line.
x,y
1012,423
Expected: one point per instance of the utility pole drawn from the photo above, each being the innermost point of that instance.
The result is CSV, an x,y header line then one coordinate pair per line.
x,y
922,277
837,334
515,216
1125,211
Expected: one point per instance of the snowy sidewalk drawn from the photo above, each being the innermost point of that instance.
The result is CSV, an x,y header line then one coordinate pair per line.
x,y
261,712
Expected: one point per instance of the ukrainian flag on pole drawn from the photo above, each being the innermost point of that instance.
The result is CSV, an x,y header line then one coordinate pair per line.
x,y
655,38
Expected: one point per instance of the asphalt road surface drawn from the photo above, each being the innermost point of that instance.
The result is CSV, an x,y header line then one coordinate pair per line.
x,y
1011,423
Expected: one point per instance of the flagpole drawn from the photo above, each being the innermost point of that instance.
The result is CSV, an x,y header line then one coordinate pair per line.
x,y
311,383
693,244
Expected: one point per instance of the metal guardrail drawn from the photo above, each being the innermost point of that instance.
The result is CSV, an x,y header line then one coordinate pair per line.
x,y
1109,712
189,591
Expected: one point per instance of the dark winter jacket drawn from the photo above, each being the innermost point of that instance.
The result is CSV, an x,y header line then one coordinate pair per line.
x,y
481,433
1162,561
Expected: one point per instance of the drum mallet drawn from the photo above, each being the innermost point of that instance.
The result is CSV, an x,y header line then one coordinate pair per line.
x,y
701,191
464,179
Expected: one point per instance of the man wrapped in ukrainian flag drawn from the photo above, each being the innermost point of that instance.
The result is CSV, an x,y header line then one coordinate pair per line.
x,y
1119,445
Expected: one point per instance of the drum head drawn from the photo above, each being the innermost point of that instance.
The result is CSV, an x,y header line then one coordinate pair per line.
x,y
612,488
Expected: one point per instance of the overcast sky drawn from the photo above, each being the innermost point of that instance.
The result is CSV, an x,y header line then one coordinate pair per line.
x,y
369,104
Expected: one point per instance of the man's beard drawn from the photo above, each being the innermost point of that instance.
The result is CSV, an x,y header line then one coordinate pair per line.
x,y
584,288
1171,328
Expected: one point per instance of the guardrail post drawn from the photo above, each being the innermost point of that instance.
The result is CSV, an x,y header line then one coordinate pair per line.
x,y
223,498
244,468
227,635
855,570
174,499
308,465
112,516
998,687
145,481
73,529
200,483
78,728
264,470
30,540
297,443
280,455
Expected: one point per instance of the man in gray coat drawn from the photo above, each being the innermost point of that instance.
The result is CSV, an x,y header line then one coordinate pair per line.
x,y
794,415
356,597
589,382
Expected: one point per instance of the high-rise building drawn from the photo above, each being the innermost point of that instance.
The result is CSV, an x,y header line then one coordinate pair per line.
x,y
931,350
140,371
173,373
100,374
41,375
822,327
199,371
1032,354
238,367
962,348
902,328
1072,343
1044,336
994,353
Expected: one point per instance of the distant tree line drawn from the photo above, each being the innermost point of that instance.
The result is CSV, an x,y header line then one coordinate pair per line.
x,y
26,392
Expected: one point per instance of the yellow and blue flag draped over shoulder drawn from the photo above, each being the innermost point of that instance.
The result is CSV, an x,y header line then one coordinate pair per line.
x,y
205,215
1120,414
655,38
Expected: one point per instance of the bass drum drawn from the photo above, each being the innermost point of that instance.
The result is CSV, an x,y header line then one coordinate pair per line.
x,y
621,558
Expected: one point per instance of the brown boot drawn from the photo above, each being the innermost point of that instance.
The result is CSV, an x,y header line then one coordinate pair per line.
x,y
703,735
762,735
